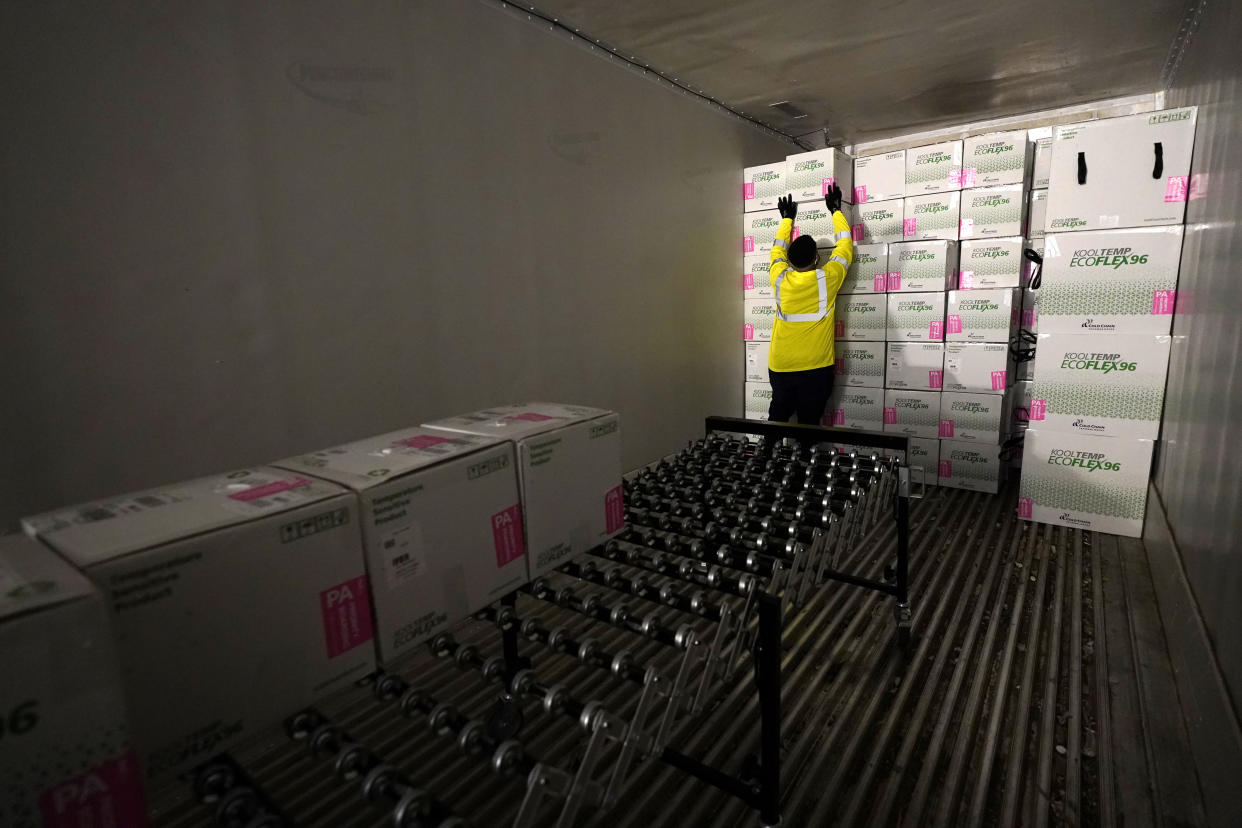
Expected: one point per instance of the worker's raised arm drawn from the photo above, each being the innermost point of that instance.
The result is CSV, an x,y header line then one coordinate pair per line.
x,y
843,244
779,257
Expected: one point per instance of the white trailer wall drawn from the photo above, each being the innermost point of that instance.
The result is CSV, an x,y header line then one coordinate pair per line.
x,y
241,231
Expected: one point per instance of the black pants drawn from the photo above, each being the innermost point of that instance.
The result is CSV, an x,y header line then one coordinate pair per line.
x,y
802,392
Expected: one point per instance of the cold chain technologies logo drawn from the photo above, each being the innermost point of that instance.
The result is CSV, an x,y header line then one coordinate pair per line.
x,y
1114,257
1105,363
1091,461
1092,325
1082,425
1065,517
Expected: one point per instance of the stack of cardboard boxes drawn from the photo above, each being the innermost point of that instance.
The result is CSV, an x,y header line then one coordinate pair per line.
x,y
1116,201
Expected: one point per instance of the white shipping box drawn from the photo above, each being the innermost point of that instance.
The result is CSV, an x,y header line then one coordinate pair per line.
x,y
991,212
810,175
1021,407
759,231
763,185
934,216
1041,138
914,413
1110,281
441,526
859,364
972,466
758,317
569,471
758,396
934,169
878,222
236,599
815,220
978,418
1037,214
757,361
990,263
861,316
977,367
756,277
925,455
868,271
982,315
921,266
859,408
1085,482
880,177
1110,386
995,158
916,317
1132,171
66,759
916,366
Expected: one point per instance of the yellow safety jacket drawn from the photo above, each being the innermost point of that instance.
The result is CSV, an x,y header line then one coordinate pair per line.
x,y
806,301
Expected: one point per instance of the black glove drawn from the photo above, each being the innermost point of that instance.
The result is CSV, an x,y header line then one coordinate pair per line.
x,y
833,199
788,207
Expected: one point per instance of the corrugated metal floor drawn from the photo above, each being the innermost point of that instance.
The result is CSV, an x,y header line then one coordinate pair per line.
x,y
1038,690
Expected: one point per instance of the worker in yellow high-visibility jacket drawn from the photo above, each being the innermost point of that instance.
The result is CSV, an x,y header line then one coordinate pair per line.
x,y
805,282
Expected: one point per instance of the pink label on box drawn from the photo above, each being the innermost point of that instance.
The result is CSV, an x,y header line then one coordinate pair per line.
x,y
910,227
530,417
946,468
748,244
1026,507
840,329
275,487
109,794
1162,302
1175,188
748,191
894,281
748,331
955,177
955,323
1037,410
838,417
860,194
346,610
826,185
1028,317
935,379
946,428
796,231
890,416
423,441
999,380
614,511
507,535
880,282
966,280
935,331
748,281
968,177
966,228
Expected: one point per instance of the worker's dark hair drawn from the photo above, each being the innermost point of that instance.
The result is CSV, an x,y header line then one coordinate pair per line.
x,y
802,252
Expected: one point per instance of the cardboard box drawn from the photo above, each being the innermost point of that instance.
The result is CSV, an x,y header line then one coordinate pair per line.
x,y
1085,482
915,366
982,315
235,598
763,185
915,317
859,408
934,216
991,212
1106,174
976,418
66,759
972,466
861,316
1041,138
569,471
1028,266
1111,281
1109,386
868,271
1037,214
977,367
810,175
859,364
878,222
914,413
758,317
880,177
814,220
922,266
1020,409
995,158
759,231
441,526
934,169
925,455
756,277
990,263
757,361
758,396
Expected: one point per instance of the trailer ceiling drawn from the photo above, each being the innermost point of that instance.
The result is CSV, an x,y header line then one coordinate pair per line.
x,y
873,69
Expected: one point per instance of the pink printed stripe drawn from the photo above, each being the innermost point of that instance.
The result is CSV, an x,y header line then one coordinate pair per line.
x,y
272,488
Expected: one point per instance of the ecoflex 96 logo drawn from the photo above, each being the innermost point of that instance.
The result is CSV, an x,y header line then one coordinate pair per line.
x,y
1089,460
934,207
1114,257
1105,363
1068,223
